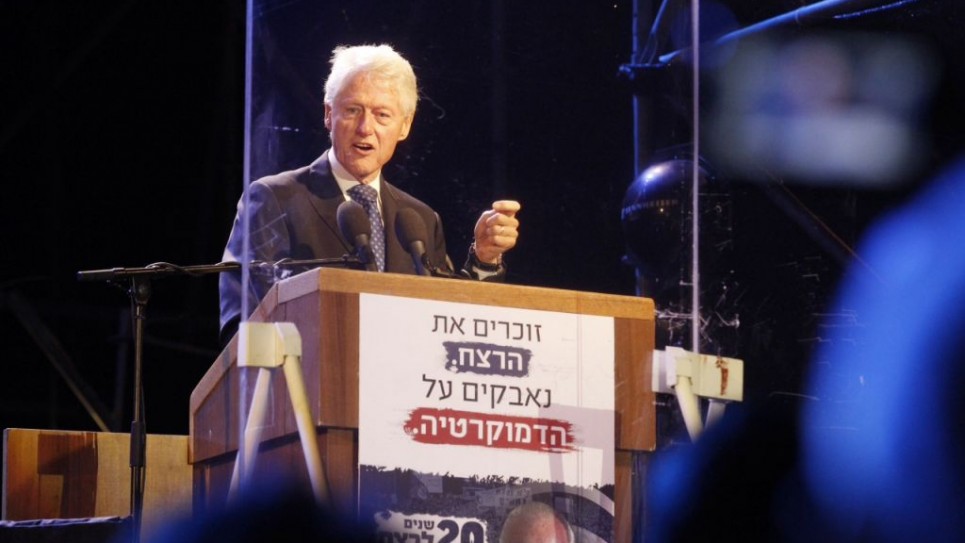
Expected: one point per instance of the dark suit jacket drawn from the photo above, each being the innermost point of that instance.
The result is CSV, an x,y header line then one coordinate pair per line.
x,y
293,215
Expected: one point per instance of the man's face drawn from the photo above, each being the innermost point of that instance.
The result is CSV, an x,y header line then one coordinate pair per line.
x,y
365,122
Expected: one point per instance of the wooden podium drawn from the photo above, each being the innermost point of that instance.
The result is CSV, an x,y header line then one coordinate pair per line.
x,y
324,304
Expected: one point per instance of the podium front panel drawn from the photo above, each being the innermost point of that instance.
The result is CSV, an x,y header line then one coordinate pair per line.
x,y
324,304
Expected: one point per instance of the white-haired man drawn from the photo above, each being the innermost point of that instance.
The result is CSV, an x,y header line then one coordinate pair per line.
x,y
370,103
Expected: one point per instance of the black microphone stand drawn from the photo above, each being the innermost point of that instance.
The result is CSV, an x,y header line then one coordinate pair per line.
x,y
140,293
349,261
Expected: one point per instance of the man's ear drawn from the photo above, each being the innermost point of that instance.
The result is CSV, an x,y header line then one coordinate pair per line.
x,y
406,126
328,117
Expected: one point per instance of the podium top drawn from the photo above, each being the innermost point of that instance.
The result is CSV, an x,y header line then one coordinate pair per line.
x,y
468,291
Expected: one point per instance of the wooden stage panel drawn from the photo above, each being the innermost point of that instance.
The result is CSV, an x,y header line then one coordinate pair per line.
x,y
51,474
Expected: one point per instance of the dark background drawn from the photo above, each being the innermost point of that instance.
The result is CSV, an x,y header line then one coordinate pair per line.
x,y
122,144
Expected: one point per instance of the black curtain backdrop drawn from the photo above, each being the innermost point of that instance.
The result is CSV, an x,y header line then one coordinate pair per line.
x,y
121,144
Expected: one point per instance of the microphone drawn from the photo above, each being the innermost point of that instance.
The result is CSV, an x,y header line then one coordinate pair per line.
x,y
353,223
412,232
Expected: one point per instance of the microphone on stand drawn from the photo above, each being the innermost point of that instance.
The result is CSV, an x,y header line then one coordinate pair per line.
x,y
412,232
353,223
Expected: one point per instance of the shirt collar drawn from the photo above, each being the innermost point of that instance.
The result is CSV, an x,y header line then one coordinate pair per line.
x,y
346,180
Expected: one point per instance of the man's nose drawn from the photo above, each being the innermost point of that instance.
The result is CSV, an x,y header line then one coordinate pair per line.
x,y
365,125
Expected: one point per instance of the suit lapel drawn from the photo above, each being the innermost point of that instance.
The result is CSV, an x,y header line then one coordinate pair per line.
x,y
325,196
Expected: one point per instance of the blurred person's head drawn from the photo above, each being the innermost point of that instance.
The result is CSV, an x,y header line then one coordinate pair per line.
x,y
267,513
883,449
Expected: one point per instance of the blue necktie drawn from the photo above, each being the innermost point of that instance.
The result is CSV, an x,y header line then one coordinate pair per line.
x,y
369,198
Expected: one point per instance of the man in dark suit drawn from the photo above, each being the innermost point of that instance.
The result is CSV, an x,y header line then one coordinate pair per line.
x,y
370,102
